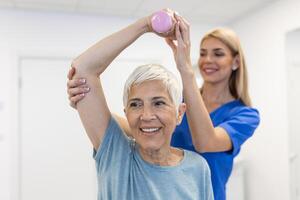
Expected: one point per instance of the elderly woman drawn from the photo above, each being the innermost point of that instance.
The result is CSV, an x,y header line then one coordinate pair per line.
x,y
144,165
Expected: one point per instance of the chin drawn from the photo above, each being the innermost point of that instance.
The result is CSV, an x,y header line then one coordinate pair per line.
x,y
210,79
151,147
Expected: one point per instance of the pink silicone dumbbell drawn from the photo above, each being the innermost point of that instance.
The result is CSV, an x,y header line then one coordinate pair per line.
x,y
161,22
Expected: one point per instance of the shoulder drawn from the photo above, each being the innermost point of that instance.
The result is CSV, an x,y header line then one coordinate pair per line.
x,y
114,131
113,125
239,107
244,113
114,137
250,113
195,160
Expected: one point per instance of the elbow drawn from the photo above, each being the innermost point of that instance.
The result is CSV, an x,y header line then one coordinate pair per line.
x,y
75,63
200,148
204,146
77,66
86,68
81,69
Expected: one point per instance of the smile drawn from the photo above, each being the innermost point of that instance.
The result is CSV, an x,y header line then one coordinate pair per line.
x,y
149,130
209,70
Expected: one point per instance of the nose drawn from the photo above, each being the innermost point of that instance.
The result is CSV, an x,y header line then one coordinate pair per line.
x,y
205,59
147,114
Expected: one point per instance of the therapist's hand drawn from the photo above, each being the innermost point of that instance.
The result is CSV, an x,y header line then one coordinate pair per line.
x,y
76,88
181,45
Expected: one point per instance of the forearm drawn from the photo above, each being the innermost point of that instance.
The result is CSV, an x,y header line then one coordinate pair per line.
x,y
200,124
96,59
205,137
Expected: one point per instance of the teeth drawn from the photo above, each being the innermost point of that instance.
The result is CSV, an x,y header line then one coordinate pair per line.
x,y
149,130
209,70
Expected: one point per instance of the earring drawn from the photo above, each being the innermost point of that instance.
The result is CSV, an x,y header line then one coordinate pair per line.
x,y
178,119
234,67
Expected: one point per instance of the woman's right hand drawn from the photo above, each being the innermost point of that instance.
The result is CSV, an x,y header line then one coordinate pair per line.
x,y
76,88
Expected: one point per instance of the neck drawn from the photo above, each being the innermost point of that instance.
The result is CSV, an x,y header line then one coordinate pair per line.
x,y
162,157
216,93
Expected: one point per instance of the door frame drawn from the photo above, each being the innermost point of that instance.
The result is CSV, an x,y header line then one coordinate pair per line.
x,y
16,139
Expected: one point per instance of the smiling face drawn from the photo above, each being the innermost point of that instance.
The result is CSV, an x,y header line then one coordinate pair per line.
x,y
151,115
216,61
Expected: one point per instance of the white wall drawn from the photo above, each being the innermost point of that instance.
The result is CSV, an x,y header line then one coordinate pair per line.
x,y
263,37
293,89
24,33
293,47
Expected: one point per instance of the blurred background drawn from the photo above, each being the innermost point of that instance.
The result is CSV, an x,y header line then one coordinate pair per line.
x,y
44,152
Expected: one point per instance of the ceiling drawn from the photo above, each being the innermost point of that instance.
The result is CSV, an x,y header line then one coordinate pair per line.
x,y
207,11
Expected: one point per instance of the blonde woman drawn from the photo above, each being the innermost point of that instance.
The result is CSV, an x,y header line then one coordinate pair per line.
x,y
219,117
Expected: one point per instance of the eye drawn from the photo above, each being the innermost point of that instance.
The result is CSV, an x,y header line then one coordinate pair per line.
x,y
134,104
159,103
202,54
219,54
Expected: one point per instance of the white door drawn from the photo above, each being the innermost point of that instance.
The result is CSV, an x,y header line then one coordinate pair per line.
x,y
55,154
293,84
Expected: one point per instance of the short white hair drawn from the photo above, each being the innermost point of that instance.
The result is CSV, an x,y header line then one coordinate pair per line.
x,y
154,72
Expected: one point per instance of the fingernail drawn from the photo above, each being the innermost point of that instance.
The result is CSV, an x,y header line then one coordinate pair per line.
x,y
82,80
82,94
87,89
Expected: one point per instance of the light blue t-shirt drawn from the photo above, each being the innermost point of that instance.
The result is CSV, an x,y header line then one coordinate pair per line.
x,y
123,175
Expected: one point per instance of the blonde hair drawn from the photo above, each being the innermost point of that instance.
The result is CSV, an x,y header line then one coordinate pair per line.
x,y
154,72
238,81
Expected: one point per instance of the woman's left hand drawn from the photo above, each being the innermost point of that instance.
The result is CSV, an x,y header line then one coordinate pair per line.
x,y
181,47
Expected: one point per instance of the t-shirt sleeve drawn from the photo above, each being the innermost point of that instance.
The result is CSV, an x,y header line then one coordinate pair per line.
x,y
114,147
241,126
208,190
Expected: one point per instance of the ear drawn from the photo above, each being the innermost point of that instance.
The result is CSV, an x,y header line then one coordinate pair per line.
x,y
181,111
236,63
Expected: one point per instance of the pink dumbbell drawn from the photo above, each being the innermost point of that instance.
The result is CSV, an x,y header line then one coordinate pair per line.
x,y
162,22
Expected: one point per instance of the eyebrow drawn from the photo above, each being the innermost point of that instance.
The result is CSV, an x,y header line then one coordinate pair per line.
x,y
216,49
134,99
154,98
159,97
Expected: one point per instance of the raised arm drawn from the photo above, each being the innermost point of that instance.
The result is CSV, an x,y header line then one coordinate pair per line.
x,y
93,109
205,137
